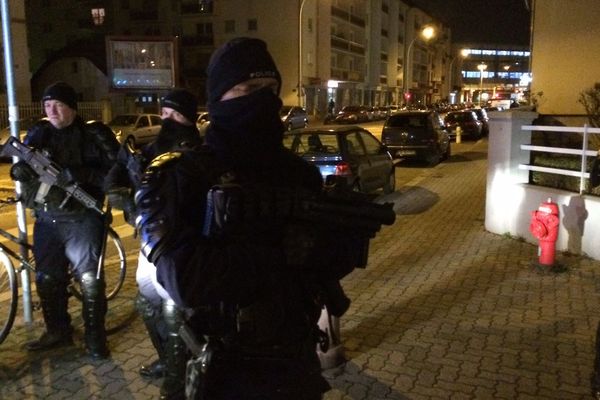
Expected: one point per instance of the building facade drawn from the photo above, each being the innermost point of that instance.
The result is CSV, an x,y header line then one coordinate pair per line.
x,y
352,51
565,56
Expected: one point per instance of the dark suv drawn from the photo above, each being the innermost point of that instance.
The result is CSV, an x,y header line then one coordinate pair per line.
x,y
416,134
467,121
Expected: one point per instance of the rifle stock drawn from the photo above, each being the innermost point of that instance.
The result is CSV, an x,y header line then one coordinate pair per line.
x,y
48,173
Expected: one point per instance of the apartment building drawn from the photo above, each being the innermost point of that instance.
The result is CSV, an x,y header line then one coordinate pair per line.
x,y
354,51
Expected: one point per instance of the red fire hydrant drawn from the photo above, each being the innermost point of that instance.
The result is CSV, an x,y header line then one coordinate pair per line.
x,y
544,226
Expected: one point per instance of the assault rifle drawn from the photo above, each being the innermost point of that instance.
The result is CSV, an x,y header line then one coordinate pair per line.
x,y
337,209
48,173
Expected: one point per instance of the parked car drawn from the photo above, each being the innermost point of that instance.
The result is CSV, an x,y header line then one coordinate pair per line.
x,y
418,135
352,115
467,121
483,118
293,117
143,128
349,151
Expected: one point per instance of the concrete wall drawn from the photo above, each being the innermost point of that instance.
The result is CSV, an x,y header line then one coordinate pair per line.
x,y
510,199
565,53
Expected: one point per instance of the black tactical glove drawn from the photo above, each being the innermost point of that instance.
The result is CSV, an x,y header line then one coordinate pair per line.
x,y
65,178
21,171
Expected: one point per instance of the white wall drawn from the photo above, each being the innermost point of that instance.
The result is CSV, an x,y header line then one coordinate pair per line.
x,y
510,199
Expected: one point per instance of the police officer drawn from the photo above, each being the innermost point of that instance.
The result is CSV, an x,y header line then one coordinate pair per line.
x,y
254,308
161,316
66,233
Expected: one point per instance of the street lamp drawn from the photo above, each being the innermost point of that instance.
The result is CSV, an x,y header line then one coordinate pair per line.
x,y
463,54
426,33
481,67
300,53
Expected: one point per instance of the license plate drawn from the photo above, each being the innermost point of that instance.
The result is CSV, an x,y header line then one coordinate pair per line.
x,y
406,152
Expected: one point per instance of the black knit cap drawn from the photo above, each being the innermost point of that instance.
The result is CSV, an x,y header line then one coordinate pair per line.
x,y
63,92
236,61
183,102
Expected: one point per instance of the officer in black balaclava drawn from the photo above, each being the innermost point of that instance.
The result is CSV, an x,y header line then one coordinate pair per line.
x,y
258,313
159,313
66,234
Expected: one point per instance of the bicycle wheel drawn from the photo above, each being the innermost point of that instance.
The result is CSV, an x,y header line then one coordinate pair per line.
x,y
8,295
115,267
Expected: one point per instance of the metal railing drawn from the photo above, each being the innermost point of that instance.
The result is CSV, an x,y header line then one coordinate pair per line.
x,y
582,174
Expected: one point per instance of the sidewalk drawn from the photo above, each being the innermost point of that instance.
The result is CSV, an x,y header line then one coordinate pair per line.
x,y
443,310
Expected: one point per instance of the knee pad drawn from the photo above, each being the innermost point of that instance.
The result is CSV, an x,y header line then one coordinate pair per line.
x,y
48,286
90,285
172,315
146,308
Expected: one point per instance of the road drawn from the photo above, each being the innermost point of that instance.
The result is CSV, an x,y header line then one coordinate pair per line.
x,y
408,173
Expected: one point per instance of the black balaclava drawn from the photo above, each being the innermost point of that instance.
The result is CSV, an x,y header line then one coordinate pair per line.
x,y
245,129
183,102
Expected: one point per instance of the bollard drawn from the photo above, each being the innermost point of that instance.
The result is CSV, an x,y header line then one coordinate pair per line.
x,y
458,134
334,356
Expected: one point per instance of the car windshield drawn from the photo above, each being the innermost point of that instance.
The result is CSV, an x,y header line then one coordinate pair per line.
x,y
459,117
313,143
407,121
121,120
351,108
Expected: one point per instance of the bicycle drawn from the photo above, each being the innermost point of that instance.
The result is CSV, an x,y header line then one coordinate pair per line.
x,y
114,269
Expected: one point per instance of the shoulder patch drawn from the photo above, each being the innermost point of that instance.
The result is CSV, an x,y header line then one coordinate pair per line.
x,y
164,159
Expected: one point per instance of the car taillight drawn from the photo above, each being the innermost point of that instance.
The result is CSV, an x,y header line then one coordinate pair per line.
x,y
343,169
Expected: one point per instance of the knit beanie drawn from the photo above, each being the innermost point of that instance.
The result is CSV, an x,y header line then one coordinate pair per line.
x,y
236,61
63,92
183,102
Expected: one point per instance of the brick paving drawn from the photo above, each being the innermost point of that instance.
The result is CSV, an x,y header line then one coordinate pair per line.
x,y
444,310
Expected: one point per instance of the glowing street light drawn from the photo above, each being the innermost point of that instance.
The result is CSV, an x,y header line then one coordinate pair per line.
x,y
427,33
481,67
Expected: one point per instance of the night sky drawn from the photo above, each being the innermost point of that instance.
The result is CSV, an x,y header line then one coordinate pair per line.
x,y
483,21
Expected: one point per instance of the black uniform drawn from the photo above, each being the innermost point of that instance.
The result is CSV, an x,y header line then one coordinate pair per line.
x,y
67,234
161,317
254,308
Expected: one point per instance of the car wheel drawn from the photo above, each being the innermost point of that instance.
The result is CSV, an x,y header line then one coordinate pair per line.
x,y
448,152
390,185
433,159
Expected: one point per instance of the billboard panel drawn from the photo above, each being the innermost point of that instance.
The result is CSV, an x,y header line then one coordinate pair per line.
x,y
141,63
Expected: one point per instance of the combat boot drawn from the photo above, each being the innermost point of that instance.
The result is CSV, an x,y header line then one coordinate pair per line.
x,y
155,325
54,300
94,312
173,386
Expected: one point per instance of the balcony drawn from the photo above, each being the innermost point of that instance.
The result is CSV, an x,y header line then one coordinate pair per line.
x,y
346,45
200,40
196,8
346,16
346,75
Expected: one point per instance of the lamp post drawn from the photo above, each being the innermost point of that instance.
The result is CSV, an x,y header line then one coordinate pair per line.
x,y
426,33
300,53
462,54
481,67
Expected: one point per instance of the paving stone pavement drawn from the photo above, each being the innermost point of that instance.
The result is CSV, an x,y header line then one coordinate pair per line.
x,y
444,310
